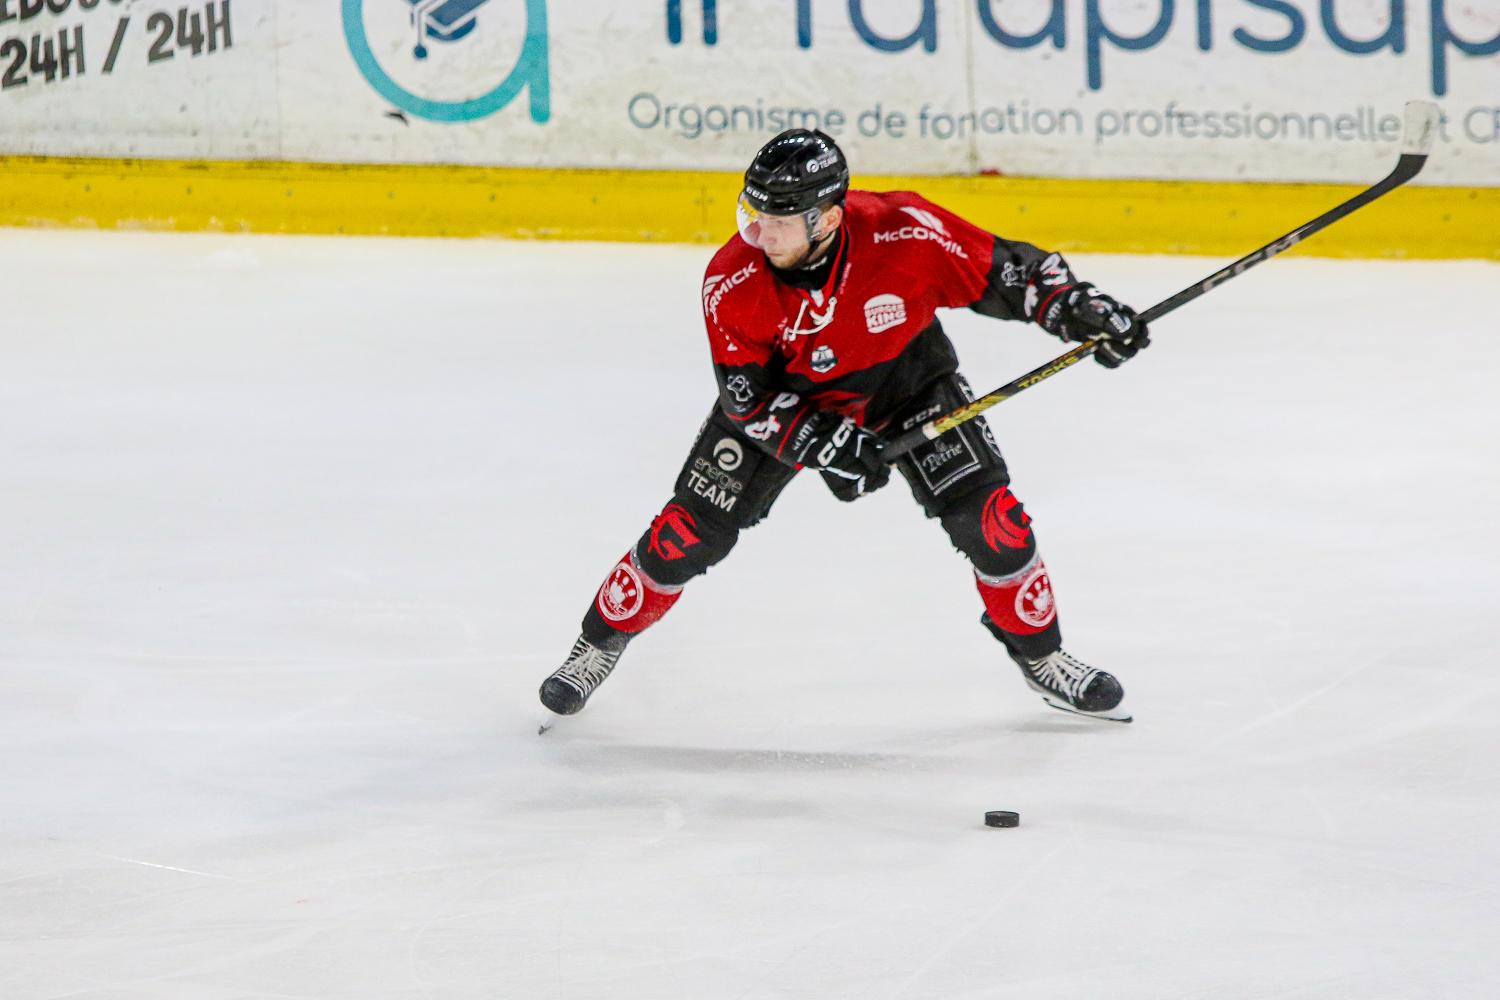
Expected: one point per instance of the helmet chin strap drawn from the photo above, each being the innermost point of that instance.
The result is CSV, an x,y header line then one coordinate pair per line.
x,y
816,251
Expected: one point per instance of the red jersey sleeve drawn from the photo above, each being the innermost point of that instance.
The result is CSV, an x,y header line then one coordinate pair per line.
x,y
740,350
724,315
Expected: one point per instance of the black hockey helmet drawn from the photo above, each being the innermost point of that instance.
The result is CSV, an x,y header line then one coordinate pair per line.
x,y
796,171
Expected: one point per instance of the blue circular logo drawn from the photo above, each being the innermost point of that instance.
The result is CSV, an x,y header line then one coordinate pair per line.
x,y
531,69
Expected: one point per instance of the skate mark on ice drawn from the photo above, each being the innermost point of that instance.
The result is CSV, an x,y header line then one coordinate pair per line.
x,y
172,868
717,760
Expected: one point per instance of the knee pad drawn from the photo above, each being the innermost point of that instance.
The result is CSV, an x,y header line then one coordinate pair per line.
x,y
684,540
992,528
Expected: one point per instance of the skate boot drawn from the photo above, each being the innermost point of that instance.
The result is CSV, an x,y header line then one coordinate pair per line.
x,y
571,684
1073,686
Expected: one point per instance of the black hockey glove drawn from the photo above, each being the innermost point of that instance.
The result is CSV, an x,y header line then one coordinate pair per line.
x,y
838,447
1082,313
850,490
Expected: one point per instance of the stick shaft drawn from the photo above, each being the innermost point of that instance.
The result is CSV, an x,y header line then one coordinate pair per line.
x,y
1421,120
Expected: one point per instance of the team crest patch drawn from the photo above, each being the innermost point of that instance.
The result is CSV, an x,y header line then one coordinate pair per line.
x,y
884,312
823,360
622,594
1034,604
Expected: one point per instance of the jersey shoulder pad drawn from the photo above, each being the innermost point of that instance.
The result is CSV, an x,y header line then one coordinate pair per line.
x,y
905,208
905,223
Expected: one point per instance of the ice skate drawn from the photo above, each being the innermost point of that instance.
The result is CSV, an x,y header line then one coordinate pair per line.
x,y
570,685
1073,686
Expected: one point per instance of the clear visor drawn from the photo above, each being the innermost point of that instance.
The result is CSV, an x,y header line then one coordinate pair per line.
x,y
775,233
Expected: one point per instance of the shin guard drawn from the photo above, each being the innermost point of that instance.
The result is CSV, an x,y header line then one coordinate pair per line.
x,y
1020,608
628,602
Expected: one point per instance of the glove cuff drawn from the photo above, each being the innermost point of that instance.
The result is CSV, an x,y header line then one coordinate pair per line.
x,y
813,430
1051,310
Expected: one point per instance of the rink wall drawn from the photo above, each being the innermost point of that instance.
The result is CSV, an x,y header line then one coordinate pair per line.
x,y
1098,124
1078,215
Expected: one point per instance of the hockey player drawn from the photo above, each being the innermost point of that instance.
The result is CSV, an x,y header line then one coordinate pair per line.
x,y
821,320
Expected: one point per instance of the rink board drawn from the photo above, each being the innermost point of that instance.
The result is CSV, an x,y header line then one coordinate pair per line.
x,y
1126,216
1216,90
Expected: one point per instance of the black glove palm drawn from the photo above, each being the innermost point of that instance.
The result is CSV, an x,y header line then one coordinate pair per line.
x,y
1082,313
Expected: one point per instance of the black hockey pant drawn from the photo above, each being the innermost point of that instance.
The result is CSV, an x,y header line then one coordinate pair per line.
x,y
728,484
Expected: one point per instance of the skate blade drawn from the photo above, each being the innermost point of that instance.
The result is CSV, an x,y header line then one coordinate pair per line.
x,y
1111,715
546,720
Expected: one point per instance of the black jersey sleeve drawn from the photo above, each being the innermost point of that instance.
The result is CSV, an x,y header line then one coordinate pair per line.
x,y
774,419
1020,277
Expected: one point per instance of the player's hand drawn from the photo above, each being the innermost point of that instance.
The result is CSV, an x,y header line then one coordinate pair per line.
x,y
850,490
1083,313
837,446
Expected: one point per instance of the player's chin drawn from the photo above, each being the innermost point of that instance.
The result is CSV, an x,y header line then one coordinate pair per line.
x,y
786,260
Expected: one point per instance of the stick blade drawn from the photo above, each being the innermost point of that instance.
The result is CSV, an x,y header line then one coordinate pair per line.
x,y
1422,119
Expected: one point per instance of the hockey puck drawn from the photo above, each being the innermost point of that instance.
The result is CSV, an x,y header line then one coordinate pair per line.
x,y
999,817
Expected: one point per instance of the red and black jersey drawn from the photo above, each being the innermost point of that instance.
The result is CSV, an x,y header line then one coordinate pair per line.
x,y
865,339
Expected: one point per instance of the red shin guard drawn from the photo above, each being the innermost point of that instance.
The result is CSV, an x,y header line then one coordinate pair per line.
x,y
1021,603
631,601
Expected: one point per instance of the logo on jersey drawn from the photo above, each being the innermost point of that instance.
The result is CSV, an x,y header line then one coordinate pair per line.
x,y
823,360
1034,603
716,286
926,218
623,594
763,430
883,312
1012,276
673,531
1054,272
738,386
928,227
1001,532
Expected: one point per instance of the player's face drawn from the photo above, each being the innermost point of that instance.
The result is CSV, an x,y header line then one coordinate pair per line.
x,y
786,239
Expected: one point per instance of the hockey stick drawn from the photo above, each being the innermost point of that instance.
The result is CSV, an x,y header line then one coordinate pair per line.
x,y
1416,142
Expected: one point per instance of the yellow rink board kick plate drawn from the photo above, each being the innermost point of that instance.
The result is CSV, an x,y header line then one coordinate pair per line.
x,y
1102,216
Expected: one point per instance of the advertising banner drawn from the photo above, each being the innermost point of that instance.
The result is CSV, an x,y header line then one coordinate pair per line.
x,y
1260,90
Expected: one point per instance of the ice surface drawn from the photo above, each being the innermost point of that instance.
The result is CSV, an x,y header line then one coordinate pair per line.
x,y
288,538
